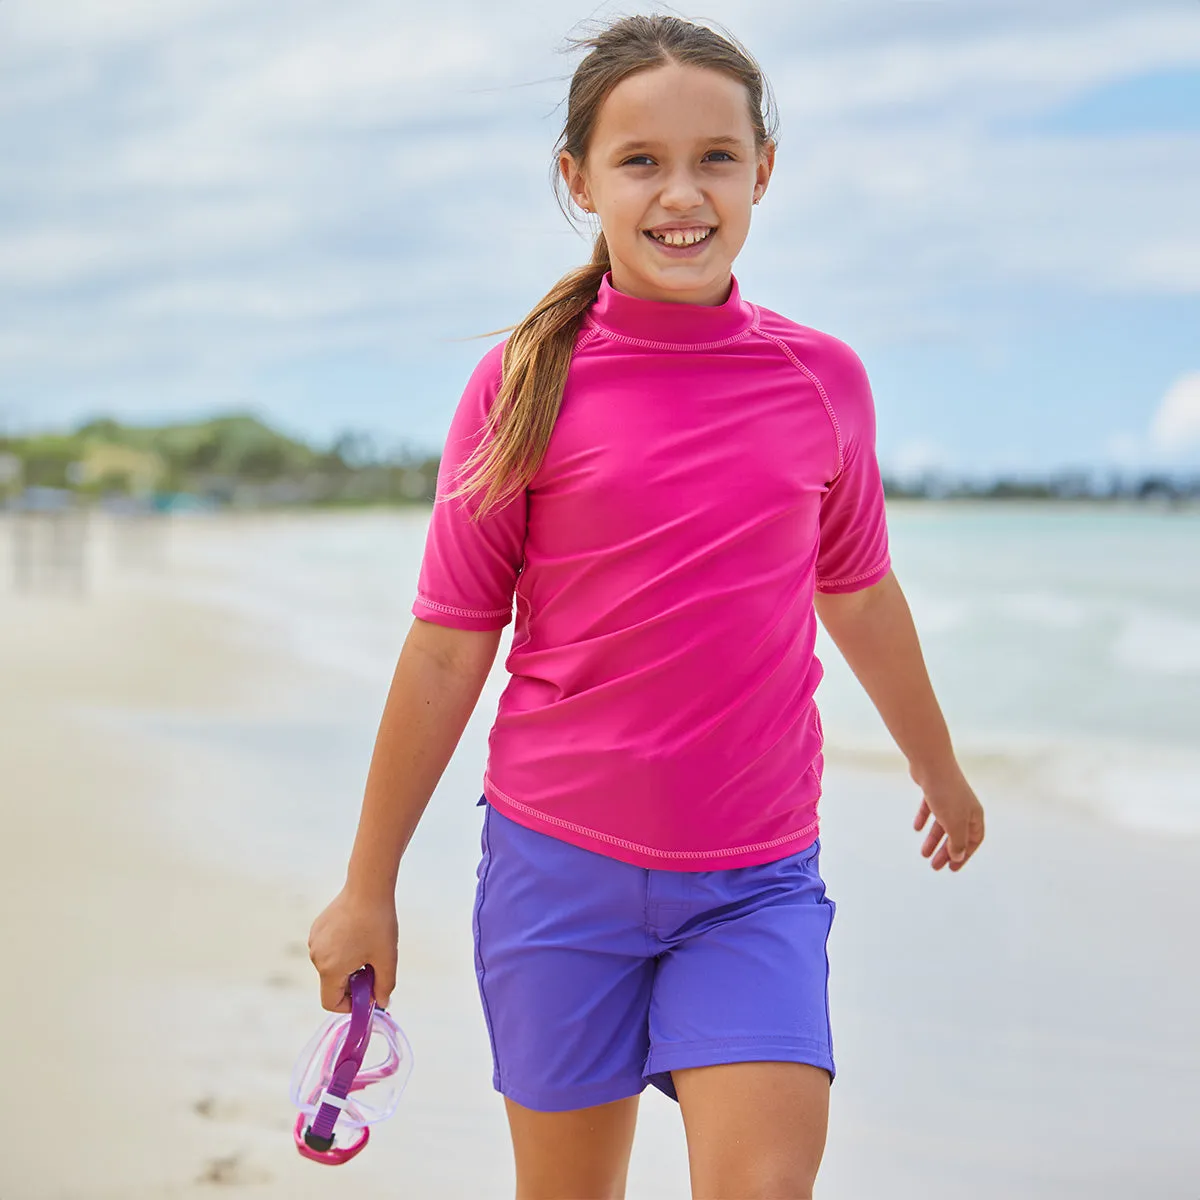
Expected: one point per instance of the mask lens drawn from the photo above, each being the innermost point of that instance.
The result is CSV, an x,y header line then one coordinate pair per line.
x,y
386,1066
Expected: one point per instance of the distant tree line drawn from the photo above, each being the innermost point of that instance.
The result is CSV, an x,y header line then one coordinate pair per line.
x,y
238,460
229,460
1068,485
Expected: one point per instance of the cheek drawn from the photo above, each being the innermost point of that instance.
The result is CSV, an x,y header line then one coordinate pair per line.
x,y
735,222
737,206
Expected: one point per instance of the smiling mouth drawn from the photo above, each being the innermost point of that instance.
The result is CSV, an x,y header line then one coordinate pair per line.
x,y
674,239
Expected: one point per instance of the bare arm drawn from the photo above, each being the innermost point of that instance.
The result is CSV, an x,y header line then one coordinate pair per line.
x,y
874,631
436,685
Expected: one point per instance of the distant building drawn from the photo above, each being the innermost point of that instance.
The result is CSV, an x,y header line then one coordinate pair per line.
x,y
111,466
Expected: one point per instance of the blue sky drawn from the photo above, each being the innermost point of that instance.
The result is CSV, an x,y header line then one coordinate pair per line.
x,y
303,209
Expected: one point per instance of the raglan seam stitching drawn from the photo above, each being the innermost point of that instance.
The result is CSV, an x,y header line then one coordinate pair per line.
x,y
811,375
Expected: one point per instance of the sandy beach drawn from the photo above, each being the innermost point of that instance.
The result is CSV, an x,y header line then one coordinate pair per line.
x,y
179,781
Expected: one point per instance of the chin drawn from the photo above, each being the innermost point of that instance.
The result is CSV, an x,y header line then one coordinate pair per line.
x,y
690,275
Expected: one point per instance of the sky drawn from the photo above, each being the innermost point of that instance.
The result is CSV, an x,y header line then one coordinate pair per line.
x,y
309,211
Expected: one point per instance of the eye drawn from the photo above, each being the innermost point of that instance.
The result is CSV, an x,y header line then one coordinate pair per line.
x,y
629,162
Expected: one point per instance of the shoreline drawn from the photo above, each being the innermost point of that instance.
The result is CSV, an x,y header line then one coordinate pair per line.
x,y
1019,1028
111,929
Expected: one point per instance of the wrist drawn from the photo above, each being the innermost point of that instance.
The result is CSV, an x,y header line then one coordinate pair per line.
x,y
370,888
931,773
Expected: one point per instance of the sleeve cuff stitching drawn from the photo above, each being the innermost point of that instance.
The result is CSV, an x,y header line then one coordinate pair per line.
x,y
824,583
463,612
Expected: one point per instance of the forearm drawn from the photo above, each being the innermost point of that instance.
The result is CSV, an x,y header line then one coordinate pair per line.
x,y
874,631
427,709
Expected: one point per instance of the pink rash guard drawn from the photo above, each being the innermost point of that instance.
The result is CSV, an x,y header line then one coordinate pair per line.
x,y
710,466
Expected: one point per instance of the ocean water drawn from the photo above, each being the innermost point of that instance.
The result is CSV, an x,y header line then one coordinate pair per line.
x,y
1063,643
1063,646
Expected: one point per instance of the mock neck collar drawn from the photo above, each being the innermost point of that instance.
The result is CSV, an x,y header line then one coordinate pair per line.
x,y
681,324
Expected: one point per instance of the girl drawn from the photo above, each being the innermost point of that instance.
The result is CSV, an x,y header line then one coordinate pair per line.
x,y
675,483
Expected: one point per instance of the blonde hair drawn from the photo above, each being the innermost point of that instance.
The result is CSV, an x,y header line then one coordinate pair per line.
x,y
537,356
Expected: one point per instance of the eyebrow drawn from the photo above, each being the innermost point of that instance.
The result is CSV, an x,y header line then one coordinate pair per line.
x,y
640,144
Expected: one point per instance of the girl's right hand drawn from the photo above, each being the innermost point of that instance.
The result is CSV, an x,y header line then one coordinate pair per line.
x,y
349,933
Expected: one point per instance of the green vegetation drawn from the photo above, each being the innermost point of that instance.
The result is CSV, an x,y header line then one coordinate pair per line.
x,y
232,459
238,460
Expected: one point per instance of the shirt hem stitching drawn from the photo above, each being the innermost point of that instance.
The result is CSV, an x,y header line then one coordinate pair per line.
x,y
649,850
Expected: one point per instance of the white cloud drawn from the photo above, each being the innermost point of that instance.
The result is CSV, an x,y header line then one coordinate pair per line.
x,y
1019,68
193,190
1176,425
1171,439
1129,451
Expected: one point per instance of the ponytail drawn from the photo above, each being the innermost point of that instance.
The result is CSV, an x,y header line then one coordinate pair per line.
x,y
538,355
533,375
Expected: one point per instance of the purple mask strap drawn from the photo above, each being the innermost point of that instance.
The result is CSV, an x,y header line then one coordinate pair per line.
x,y
362,1007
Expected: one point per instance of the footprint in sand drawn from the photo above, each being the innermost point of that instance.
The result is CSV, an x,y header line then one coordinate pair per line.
x,y
214,1109
230,1171
267,1116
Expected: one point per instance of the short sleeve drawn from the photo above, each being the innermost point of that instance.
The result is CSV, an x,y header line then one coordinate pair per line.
x,y
853,552
469,569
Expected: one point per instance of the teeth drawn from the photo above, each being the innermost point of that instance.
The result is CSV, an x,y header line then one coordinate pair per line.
x,y
681,237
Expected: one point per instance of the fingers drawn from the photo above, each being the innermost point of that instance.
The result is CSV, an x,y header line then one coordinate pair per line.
x,y
348,933
335,981
941,857
974,840
385,983
946,852
932,838
922,815
335,992
944,857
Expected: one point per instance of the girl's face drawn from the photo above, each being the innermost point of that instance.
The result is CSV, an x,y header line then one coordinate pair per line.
x,y
673,148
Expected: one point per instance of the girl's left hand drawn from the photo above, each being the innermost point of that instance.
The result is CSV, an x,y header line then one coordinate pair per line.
x,y
957,818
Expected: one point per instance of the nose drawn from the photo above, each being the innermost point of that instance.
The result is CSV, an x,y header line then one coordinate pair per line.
x,y
680,190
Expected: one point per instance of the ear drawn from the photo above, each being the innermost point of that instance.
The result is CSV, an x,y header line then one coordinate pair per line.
x,y
575,181
766,164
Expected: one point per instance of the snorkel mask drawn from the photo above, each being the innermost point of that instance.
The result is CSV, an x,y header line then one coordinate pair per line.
x,y
351,1074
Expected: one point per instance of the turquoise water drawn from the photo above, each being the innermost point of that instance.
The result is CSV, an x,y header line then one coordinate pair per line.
x,y
1063,644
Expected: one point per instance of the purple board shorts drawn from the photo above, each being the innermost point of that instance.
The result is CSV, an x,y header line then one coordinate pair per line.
x,y
598,977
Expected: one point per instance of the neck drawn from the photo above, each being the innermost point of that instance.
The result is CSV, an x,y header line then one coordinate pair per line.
x,y
671,322
710,292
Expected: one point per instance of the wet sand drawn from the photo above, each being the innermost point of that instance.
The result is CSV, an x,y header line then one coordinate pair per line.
x,y
1025,1028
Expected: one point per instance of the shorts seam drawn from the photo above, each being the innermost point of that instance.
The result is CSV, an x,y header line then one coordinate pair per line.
x,y
829,929
581,1097
487,1012
678,1056
734,1043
